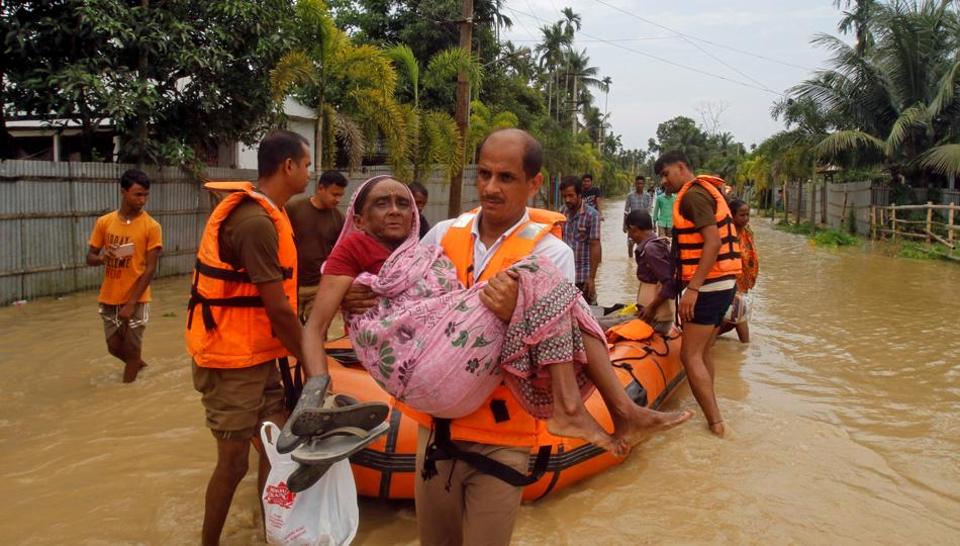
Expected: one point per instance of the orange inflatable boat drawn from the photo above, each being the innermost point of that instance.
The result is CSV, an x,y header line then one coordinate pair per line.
x,y
648,367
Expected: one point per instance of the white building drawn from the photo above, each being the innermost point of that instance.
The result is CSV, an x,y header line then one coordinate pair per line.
x,y
59,140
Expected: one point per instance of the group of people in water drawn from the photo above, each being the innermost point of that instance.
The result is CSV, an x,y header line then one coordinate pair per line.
x,y
480,327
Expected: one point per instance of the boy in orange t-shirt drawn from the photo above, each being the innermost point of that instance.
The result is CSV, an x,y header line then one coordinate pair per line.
x,y
128,242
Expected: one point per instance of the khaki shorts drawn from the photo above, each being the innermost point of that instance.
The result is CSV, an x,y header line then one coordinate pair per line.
x,y
305,297
237,400
134,328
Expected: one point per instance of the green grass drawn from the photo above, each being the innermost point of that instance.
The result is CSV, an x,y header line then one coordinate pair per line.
x,y
797,229
834,238
921,251
820,237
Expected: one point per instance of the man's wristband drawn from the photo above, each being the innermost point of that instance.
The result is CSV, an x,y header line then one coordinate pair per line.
x,y
697,290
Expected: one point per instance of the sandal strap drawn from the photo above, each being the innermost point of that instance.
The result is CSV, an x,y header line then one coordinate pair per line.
x,y
341,431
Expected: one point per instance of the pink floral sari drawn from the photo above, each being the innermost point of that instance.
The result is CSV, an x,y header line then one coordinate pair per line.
x,y
434,346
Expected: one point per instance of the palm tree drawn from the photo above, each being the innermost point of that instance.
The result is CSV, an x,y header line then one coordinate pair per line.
x,y
350,86
434,138
897,103
551,52
484,121
604,87
571,22
858,20
579,70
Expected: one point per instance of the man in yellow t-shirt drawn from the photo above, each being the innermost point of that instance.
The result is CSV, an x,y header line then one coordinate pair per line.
x,y
128,243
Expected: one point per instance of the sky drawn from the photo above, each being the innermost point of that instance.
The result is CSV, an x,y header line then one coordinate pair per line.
x,y
625,38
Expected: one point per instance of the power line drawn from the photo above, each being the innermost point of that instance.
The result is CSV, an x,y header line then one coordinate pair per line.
x,y
533,37
694,44
699,39
666,61
533,13
637,39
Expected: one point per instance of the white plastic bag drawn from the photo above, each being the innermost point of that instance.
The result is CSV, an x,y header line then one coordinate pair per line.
x,y
325,514
739,310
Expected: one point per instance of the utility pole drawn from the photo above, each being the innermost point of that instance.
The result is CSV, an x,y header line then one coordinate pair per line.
x,y
142,65
463,109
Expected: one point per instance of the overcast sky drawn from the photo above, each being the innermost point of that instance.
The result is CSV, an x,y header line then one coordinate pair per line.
x,y
646,91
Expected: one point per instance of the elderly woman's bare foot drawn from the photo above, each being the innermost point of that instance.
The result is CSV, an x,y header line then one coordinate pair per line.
x,y
582,425
639,422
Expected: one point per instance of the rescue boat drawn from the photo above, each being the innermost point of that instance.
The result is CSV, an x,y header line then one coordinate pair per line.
x,y
647,364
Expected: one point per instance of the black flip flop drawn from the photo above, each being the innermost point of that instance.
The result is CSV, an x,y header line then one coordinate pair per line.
x,y
316,420
306,475
337,444
312,396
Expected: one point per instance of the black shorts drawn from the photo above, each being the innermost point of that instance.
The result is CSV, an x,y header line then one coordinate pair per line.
x,y
712,306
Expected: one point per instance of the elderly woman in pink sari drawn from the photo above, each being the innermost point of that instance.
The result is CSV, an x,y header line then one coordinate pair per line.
x,y
434,345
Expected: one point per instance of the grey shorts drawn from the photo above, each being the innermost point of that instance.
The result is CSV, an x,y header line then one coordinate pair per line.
x,y
135,326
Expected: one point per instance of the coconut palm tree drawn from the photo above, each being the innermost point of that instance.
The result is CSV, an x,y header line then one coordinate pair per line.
x,y
350,86
858,20
897,103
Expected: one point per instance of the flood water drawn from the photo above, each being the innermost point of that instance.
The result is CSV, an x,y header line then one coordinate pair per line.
x,y
844,410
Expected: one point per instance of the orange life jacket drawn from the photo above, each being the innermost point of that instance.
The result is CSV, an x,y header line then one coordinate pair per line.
x,y
233,330
689,241
500,420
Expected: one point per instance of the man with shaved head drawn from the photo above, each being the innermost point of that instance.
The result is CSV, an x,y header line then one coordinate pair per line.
x,y
471,471
456,502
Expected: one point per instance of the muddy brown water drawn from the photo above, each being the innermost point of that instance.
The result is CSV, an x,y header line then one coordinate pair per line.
x,y
845,412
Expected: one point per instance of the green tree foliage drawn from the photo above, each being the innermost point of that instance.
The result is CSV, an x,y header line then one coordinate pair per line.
x,y
173,77
433,135
545,89
351,86
891,99
717,154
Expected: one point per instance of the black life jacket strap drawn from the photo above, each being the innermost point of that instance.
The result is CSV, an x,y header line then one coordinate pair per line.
x,y
233,275
230,275
292,381
733,255
443,449
207,303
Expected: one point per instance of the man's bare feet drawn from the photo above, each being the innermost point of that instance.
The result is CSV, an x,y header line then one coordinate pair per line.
x,y
639,422
718,429
131,369
582,425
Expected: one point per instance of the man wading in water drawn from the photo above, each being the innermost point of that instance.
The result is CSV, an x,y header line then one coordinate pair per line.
x,y
131,242
708,254
243,316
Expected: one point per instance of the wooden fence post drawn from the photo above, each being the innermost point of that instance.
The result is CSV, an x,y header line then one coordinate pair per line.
x,y
893,221
950,223
786,203
813,203
843,211
823,203
799,200
873,221
929,221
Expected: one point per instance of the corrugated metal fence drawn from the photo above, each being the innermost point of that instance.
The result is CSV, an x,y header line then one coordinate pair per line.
x,y
47,211
833,204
